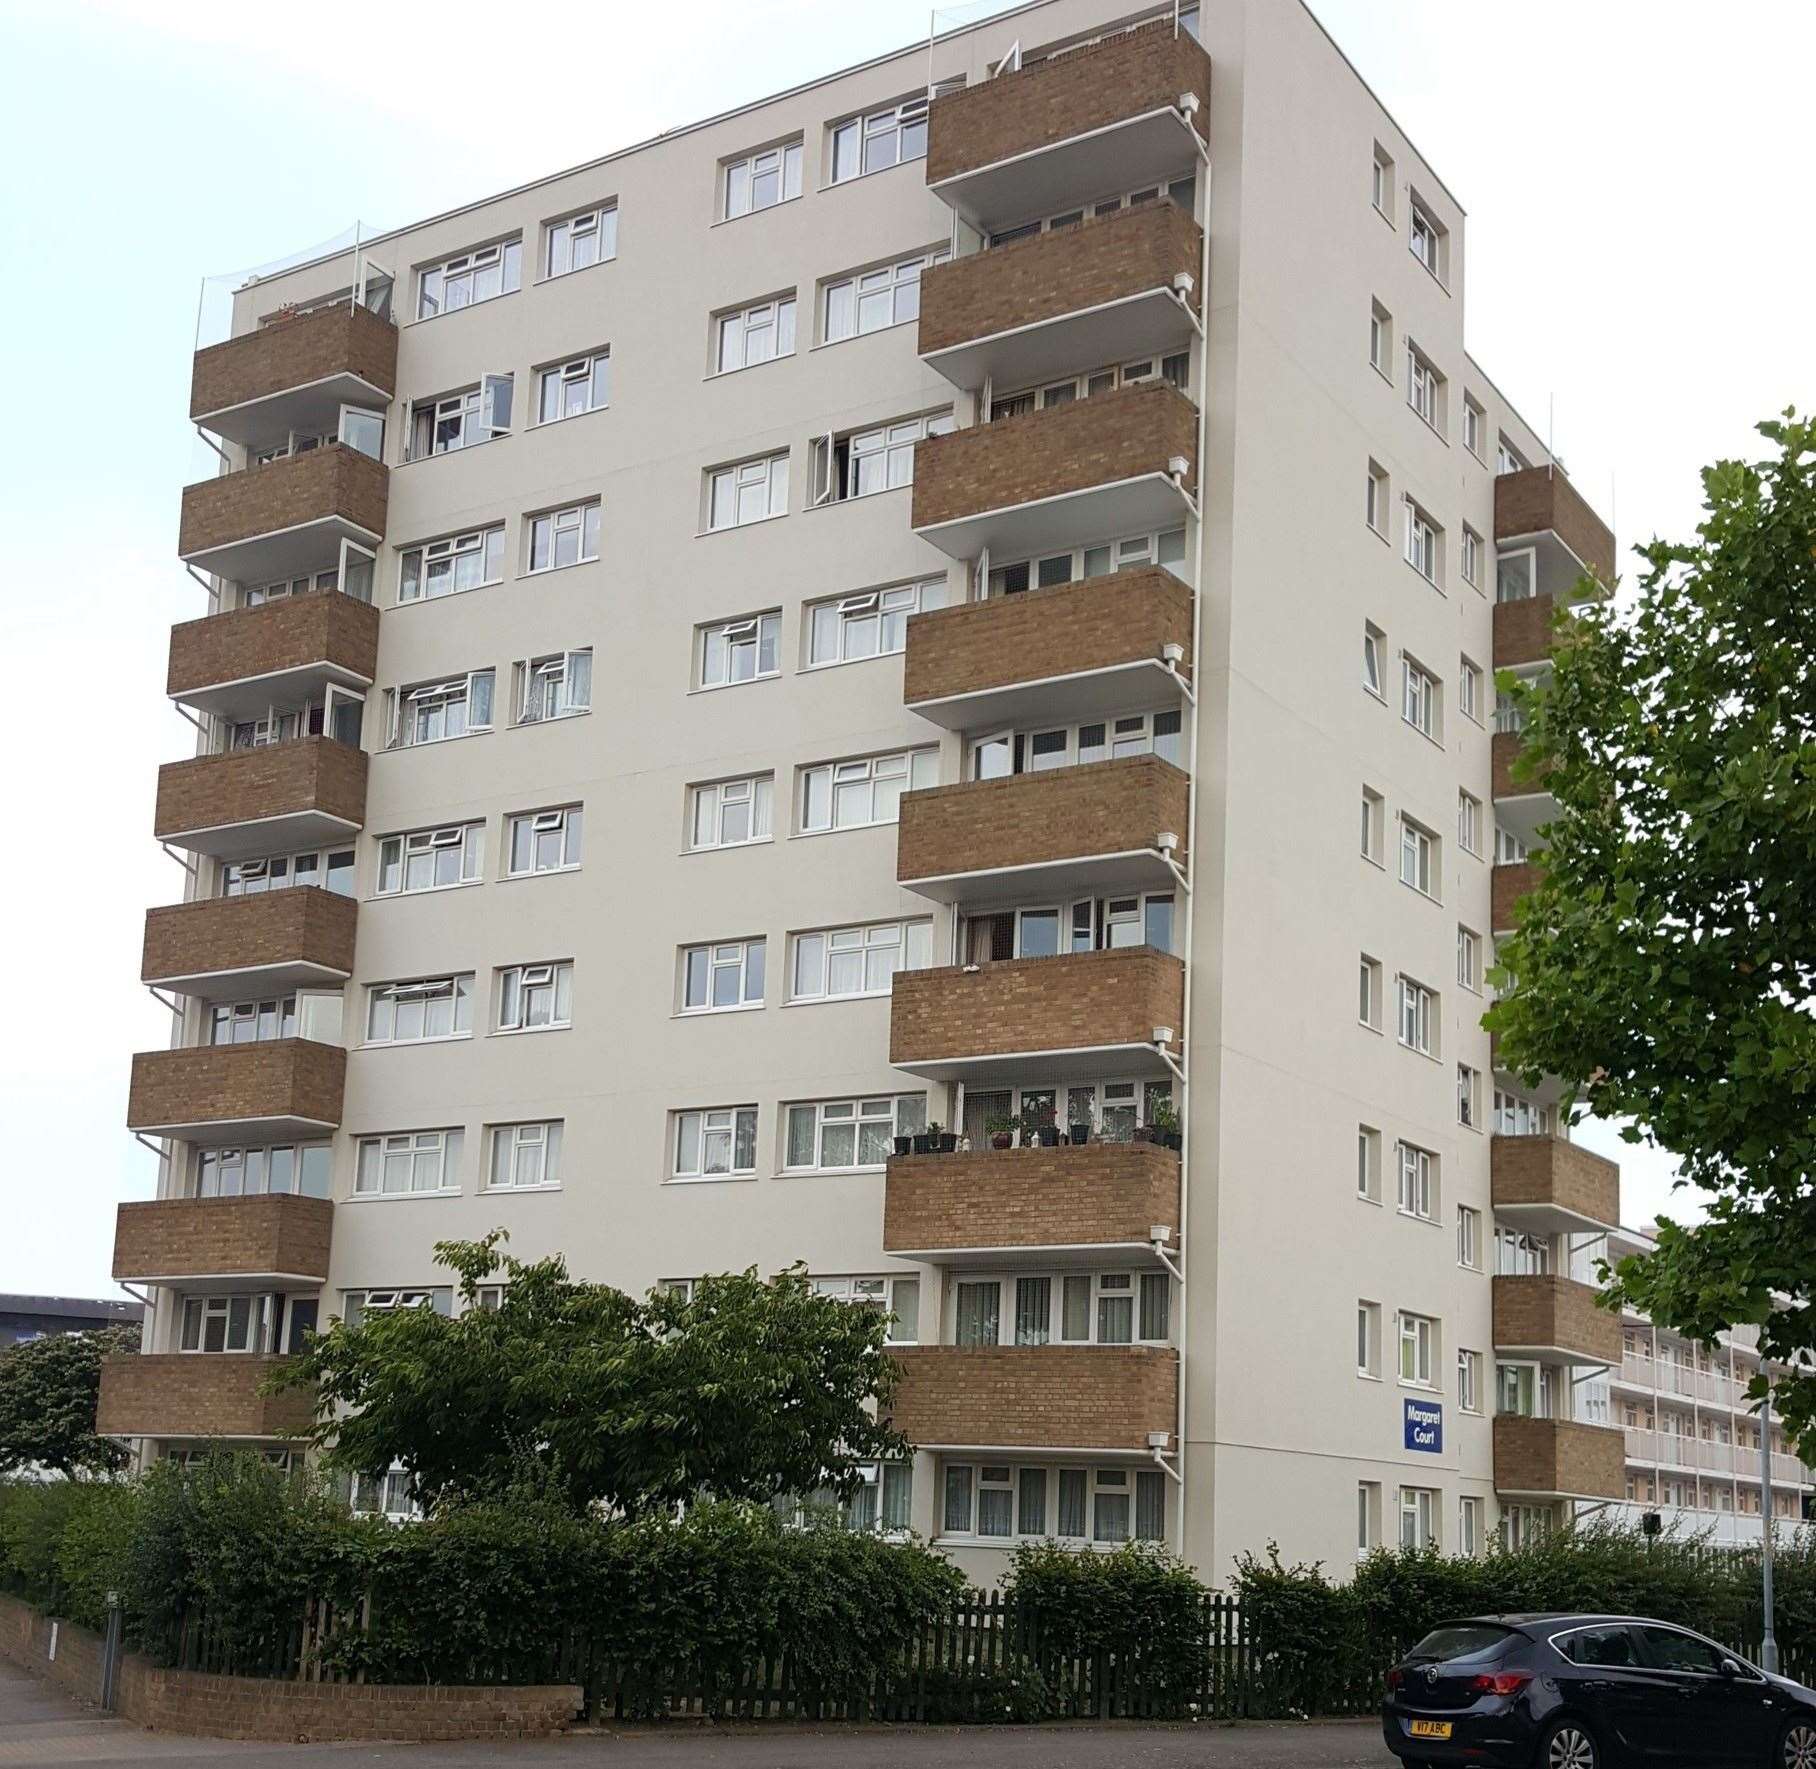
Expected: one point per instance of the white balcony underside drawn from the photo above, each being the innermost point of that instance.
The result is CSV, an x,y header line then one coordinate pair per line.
x,y
311,410
301,549
1136,869
1152,322
1085,693
1143,504
1015,1067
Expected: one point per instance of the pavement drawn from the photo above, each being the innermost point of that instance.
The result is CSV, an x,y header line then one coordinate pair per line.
x,y
41,1728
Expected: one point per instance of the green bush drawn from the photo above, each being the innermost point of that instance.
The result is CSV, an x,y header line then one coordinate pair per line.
x,y
34,1517
1013,1693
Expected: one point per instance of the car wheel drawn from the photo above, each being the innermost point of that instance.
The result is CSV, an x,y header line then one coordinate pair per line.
x,y
1569,1744
1797,1749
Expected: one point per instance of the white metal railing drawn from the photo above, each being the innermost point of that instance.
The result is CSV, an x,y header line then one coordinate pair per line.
x,y
1641,1371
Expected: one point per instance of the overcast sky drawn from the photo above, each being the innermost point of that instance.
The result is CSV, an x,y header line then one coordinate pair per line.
x,y
1636,179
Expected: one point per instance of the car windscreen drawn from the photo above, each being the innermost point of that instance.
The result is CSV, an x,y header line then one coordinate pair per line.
x,y
1460,1640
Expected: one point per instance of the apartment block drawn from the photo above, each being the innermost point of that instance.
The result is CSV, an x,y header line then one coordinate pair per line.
x,y
801,693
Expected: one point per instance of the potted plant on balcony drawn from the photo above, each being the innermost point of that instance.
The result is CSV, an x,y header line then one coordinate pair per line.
x,y
1039,1127
904,1144
922,1141
945,1142
1164,1120
1078,1131
1001,1129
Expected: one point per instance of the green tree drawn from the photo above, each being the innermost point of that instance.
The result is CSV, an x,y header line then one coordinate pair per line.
x,y
48,1391
744,1389
1664,966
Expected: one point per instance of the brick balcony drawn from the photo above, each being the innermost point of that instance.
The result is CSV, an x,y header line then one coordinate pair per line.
x,y
1072,649
1554,1317
187,1394
1537,501
271,1241
1553,1186
1504,751
1084,1013
1038,307
1509,883
964,1208
1034,141
1089,828
234,664
294,372
1095,1397
1522,631
256,801
233,1093
1046,479
1558,1459
226,948
275,521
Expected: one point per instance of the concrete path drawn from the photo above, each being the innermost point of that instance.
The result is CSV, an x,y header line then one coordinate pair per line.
x,y
41,1728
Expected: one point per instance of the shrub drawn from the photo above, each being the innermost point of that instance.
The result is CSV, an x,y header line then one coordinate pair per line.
x,y
34,1516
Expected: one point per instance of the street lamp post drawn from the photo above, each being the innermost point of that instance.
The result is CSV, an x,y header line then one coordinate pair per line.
x,y
1768,1645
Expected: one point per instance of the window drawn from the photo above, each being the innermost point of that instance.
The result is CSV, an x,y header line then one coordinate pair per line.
x,y
433,712
1418,858
1469,823
873,300
1418,1195
409,1013
1374,816
1104,559
1418,1517
228,1324
1003,753
1516,1116
1469,690
429,859
1373,676
873,623
252,1172
748,492
1469,1373
1522,1525
880,140
1424,387
567,389
729,813
1507,458
1182,193
460,562
835,1136
1469,1246
1473,422
759,333
413,1161
543,841
715,1144
1528,1391
1509,849
1368,1517
714,978
740,650
252,1022
1418,1016
760,180
331,869
1469,959
850,795
869,461
357,1304
554,687
1381,186
1072,1504
1368,1339
590,237
1418,1349
1368,1006
470,278
391,1497
564,537
1427,239
1368,1163
525,1156
1423,542
1075,1308
535,997
459,420
1377,499
1419,698
1518,1255
840,963
1380,340
899,1298
1472,557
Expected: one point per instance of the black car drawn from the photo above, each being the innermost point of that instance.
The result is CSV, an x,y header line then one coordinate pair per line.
x,y
1590,1692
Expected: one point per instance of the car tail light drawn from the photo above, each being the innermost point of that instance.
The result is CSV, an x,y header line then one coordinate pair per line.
x,y
1500,1682
1395,1677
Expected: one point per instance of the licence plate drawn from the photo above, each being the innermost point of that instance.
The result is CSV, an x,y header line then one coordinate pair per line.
x,y
1428,1728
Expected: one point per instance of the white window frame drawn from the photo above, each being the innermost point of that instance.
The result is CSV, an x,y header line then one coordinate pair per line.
x,y
1469,1097
1421,858
1469,959
1368,993
1473,419
551,533
1515,1115
887,1294
464,418
464,841
1419,699
1417,1015
1380,340
832,953
744,960
461,691
1135,552
527,991
254,1323
868,623
470,273
1469,1378
456,988
782,162
915,769
1374,825
1416,1175
581,385
1368,1163
742,643
429,1161
715,797
1469,690
1472,557
564,821
900,1114
769,323
1425,238
420,568
876,299
1380,490
1424,543
1094,1492
517,1150
1469,1526
1424,387
1419,1516
259,873
1417,1337
1368,1340
712,1125
1381,185
249,1171
764,475
1469,1249
875,460
562,237
1469,823
559,686
904,125
261,1021
1374,671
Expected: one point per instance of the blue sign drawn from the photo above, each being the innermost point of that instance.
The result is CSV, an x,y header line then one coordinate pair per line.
x,y
1424,1426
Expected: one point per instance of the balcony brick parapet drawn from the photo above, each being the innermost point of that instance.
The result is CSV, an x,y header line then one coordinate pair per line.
x,y
305,925
333,480
296,633
1096,1194
228,1083
192,1394
1546,1170
1125,434
1510,882
292,350
1048,275
272,1233
1558,1457
1123,75
1547,1311
1102,1397
1538,498
313,774
1504,751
